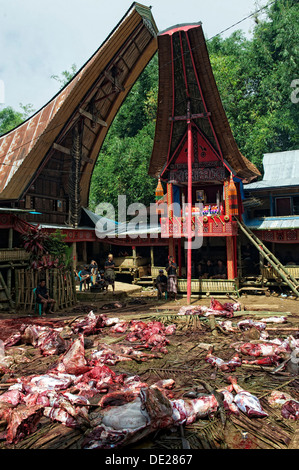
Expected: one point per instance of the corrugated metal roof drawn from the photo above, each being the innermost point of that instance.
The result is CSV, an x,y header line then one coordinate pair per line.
x,y
280,169
95,218
273,223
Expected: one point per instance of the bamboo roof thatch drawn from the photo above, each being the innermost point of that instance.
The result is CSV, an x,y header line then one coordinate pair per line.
x,y
185,74
93,97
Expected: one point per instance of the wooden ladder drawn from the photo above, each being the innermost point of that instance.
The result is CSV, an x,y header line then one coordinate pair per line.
x,y
270,257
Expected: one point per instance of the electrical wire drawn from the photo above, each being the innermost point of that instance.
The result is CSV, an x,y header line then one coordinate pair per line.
x,y
127,87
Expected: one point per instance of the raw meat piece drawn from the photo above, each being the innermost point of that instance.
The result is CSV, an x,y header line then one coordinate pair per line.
x,y
73,361
13,340
152,334
216,308
247,402
37,398
30,333
78,413
247,324
170,329
187,411
277,398
47,339
156,341
52,344
120,327
22,422
259,349
290,410
228,400
166,383
90,324
106,355
216,305
227,325
111,321
134,383
113,305
41,383
274,320
186,310
230,365
11,398
58,414
265,361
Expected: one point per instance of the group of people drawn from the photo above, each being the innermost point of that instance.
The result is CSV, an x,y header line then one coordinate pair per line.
x,y
98,278
101,279
168,283
210,270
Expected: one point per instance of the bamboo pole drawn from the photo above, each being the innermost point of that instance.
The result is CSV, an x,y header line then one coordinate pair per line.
x,y
277,267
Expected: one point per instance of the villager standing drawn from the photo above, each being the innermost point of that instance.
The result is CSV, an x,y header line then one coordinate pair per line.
x,y
172,282
93,267
109,275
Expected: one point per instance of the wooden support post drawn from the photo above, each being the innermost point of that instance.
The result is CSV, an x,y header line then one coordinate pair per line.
x,y
239,258
230,254
74,255
152,256
179,245
170,217
9,272
189,218
84,252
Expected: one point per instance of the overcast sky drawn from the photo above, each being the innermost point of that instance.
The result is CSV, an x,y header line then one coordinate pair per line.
x,y
40,38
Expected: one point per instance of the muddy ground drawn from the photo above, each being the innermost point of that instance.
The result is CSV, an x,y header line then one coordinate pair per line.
x,y
185,363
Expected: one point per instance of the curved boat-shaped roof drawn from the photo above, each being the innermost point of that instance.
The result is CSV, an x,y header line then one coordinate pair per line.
x,y
93,97
186,76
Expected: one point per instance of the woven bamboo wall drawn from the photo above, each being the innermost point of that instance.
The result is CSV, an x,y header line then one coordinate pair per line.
x,y
60,285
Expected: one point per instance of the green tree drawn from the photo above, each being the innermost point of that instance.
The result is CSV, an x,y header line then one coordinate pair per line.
x,y
122,166
254,80
65,76
9,118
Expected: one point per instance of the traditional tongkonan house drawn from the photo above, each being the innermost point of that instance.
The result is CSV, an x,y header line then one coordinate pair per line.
x,y
195,155
46,163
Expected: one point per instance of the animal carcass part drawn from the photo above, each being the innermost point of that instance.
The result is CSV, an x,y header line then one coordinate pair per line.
x,y
247,402
290,410
230,365
73,361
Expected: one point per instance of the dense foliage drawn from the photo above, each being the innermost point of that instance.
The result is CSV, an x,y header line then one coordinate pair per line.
x,y
255,77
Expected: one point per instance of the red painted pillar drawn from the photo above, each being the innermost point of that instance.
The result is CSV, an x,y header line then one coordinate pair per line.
x,y
231,257
189,218
179,256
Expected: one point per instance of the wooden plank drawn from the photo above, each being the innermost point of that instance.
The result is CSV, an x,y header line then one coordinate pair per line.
x,y
62,149
92,118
